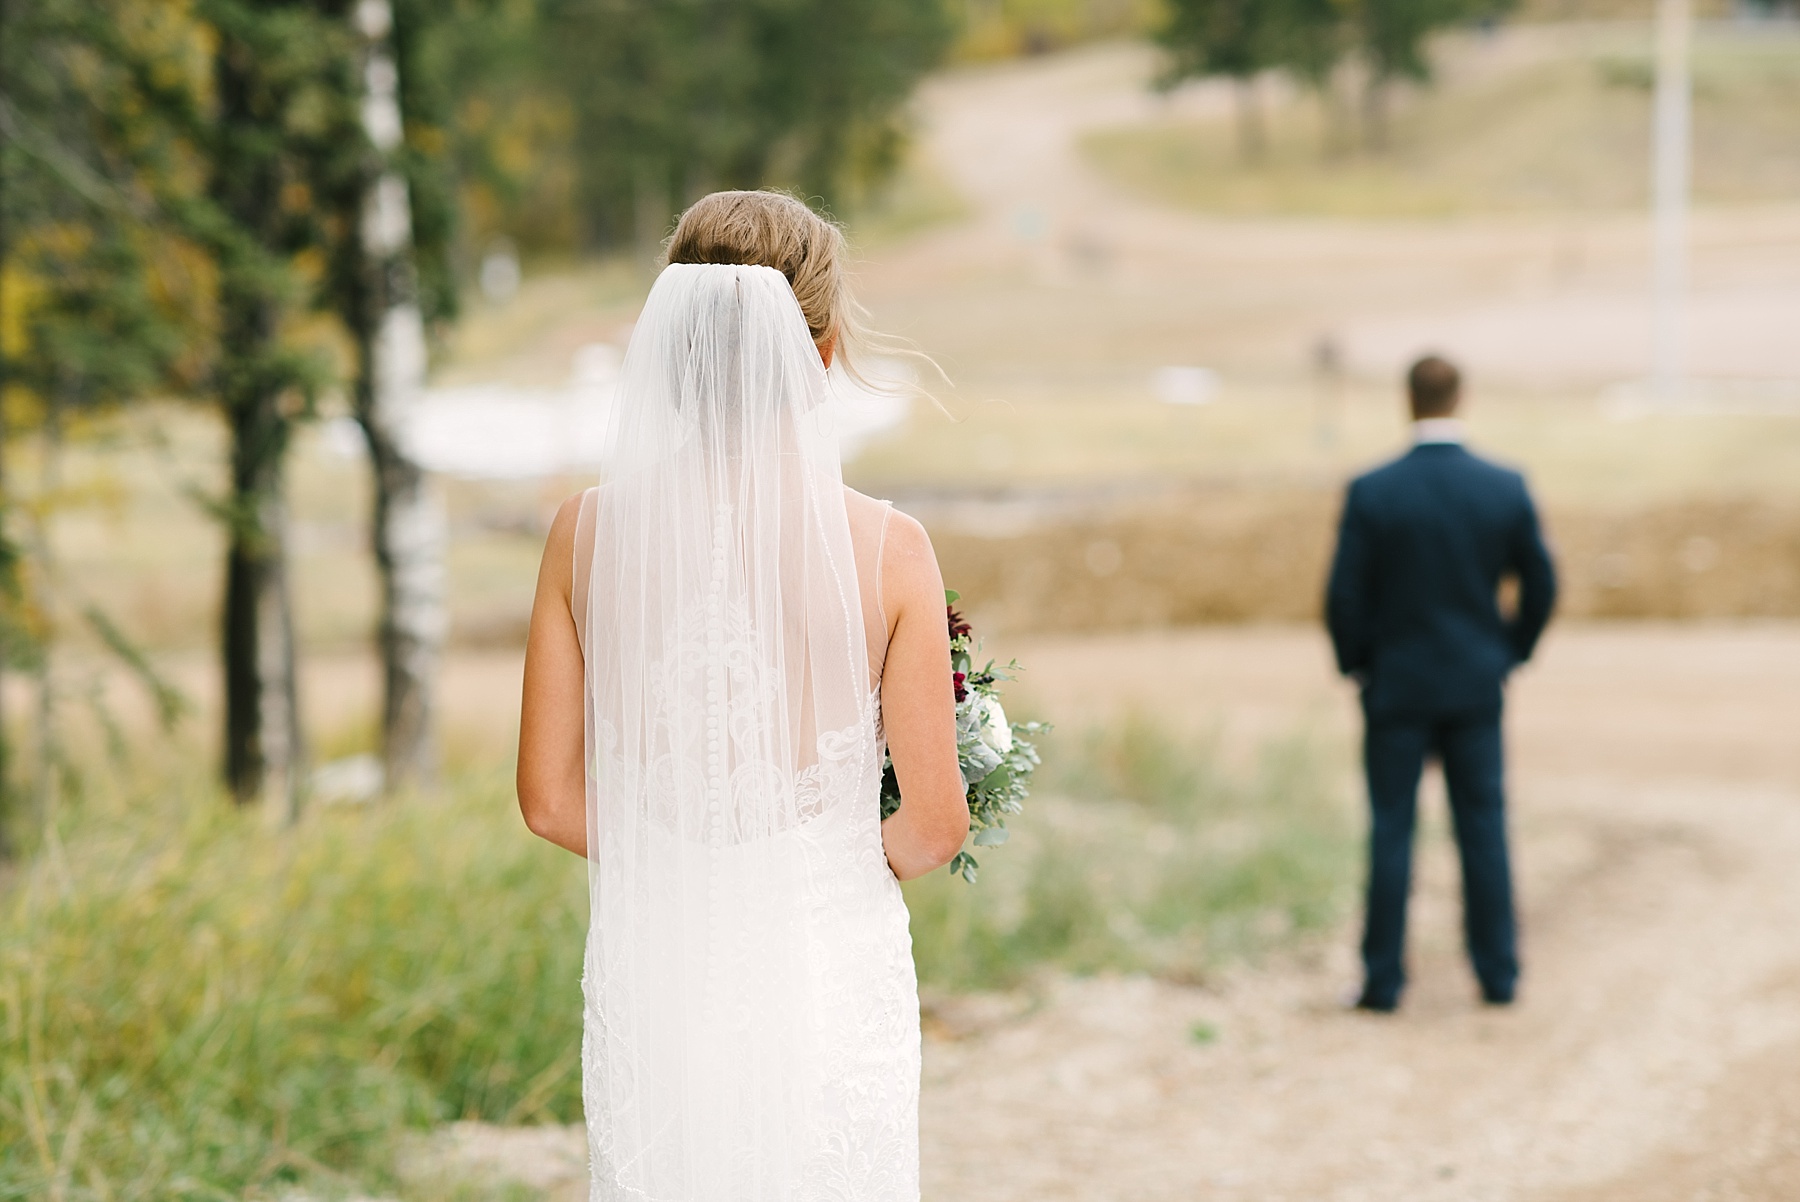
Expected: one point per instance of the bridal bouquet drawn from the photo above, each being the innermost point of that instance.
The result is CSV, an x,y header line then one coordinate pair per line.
x,y
997,757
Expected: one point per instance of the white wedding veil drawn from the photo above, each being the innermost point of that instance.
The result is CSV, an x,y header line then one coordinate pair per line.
x,y
728,712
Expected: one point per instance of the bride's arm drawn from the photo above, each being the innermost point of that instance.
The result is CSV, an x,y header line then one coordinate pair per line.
x,y
552,779
918,708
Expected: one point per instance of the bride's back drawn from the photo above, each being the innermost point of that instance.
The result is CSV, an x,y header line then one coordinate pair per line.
x,y
869,522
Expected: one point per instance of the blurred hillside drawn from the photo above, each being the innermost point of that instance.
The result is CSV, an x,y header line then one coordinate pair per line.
x,y
1552,118
1061,491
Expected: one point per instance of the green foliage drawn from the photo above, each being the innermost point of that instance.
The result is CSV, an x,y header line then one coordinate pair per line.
x,y
673,98
1243,38
489,134
195,1005
282,140
1392,33
437,59
95,304
1007,28
1146,852
101,303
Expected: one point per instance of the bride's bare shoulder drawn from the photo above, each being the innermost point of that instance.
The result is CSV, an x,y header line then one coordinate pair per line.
x,y
909,565
867,514
558,567
860,506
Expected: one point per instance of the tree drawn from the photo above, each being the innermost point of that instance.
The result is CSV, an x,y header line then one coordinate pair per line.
x,y
827,89
1391,35
1233,38
99,304
673,98
1312,40
1240,39
378,298
282,130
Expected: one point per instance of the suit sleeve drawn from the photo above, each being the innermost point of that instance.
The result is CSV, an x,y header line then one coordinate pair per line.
x,y
1530,559
1349,595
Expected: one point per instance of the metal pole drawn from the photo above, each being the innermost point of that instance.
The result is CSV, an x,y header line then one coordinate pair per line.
x,y
1669,186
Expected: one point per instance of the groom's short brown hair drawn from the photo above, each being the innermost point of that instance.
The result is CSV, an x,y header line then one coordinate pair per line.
x,y
1434,386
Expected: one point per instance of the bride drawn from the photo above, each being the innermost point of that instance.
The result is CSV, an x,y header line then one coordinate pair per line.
x,y
723,636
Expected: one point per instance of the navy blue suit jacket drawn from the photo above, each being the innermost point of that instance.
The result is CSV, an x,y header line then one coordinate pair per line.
x,y
1413,604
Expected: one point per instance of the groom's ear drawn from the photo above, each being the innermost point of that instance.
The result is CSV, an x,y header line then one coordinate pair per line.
x,y
827,351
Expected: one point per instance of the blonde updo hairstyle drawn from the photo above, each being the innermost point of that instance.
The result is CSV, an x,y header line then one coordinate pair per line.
x,y
773,229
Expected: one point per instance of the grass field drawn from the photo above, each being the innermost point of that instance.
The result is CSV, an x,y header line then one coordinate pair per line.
x,y
1558,122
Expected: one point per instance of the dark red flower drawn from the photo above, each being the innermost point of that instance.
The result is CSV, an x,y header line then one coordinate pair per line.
x,y
960,680
958,627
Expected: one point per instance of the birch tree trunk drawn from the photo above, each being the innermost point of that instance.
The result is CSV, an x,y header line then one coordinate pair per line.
x,y
409,530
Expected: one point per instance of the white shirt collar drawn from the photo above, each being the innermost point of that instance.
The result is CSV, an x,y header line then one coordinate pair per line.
x,y
1432,431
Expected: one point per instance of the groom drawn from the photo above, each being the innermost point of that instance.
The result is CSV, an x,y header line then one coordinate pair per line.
x,y
1414,614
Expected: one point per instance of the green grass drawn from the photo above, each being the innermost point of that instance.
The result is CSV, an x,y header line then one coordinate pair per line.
x,y
1145,852
195,1006
1564,128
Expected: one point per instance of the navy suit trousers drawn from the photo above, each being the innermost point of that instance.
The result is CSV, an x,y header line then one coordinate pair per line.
x,y
1394,753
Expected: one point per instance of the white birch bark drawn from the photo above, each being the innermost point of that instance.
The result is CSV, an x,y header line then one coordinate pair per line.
x,y
409,523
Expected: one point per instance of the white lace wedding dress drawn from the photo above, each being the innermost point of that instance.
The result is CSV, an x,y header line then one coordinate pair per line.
x,y
752,1023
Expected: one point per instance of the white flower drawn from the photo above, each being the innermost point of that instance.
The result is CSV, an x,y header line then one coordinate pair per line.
x,y
995,731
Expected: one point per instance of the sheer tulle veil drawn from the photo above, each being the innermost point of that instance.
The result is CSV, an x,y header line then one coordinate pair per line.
x,y
728,713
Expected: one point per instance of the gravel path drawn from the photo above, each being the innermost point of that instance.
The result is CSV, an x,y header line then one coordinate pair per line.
x,y
1655,1053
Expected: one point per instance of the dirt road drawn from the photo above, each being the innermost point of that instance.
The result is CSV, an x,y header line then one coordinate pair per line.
x,y
1655,1053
